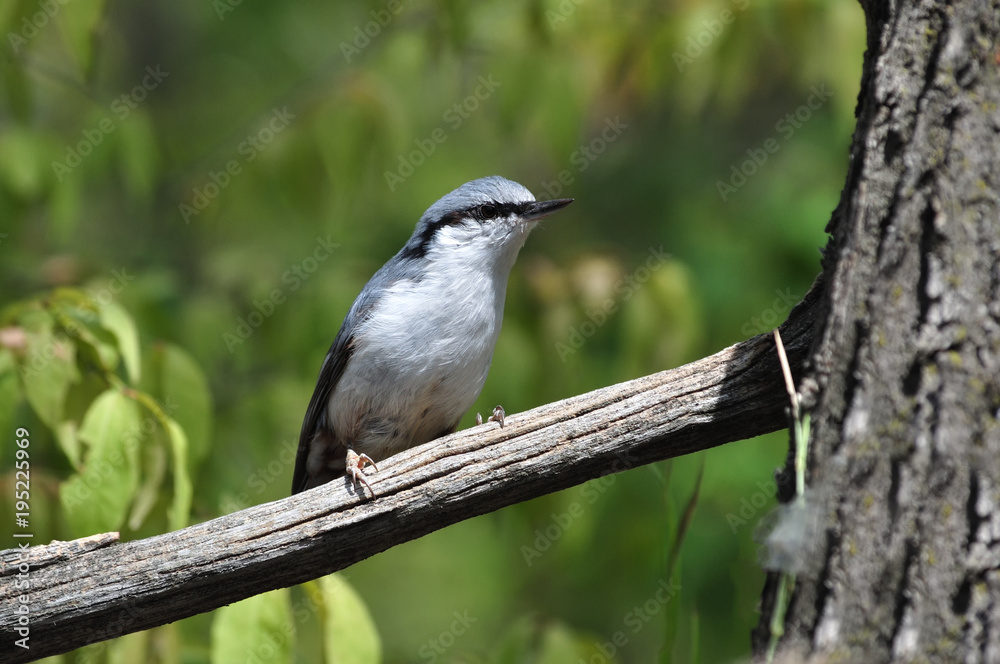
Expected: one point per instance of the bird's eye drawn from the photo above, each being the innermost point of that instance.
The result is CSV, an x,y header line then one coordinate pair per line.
x,y
488,211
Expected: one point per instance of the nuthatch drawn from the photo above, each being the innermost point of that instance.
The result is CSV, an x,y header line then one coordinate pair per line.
x,y
413,352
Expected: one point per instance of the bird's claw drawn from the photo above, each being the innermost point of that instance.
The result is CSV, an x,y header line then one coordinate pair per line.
x,y
355,463
498,415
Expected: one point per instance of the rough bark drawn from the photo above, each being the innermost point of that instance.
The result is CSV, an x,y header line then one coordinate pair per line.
x,y
97,589
904,381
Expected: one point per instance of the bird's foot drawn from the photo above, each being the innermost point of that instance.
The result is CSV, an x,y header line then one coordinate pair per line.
x,y
497,416
355,463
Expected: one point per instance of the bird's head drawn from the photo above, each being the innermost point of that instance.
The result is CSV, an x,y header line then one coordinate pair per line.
x,y
484,220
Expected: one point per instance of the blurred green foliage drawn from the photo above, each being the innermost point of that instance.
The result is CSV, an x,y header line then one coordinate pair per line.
x,y
192,194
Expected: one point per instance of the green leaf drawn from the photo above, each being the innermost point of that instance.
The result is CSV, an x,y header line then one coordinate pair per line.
x,y
66,299
546,642
516,645
258,629
180,509
69,442
22,165
98,346
79,398
46,372
7,11
97,498
183,390
674,555
695,637
80,315
79,23
8,365
116,320
154,469
560,645
129,648
350,634
677,529
10,397
65,203
139,155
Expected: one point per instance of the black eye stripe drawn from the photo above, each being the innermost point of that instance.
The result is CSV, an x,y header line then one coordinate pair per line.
x,y
478,213
493,210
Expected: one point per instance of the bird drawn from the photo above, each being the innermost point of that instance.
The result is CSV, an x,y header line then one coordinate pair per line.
x,y
413,352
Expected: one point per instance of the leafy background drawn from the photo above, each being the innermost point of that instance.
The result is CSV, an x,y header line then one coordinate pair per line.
x,y
171,178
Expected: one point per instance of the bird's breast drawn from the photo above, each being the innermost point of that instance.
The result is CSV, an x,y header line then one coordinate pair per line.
x,y
419,363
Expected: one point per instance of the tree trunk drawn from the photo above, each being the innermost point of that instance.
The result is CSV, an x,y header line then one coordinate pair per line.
x,y
904,376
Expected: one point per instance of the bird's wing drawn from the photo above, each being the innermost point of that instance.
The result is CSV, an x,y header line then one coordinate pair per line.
x,y
315,422
315,419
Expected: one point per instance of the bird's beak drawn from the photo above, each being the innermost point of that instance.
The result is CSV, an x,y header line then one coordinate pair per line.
x,y
540,209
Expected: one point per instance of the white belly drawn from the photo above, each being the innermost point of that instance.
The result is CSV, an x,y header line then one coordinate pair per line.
x,y
419,363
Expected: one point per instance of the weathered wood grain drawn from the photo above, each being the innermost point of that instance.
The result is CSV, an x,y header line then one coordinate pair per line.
x,y
104,591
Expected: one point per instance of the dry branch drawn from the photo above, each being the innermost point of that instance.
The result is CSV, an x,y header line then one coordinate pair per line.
x,y
104,589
